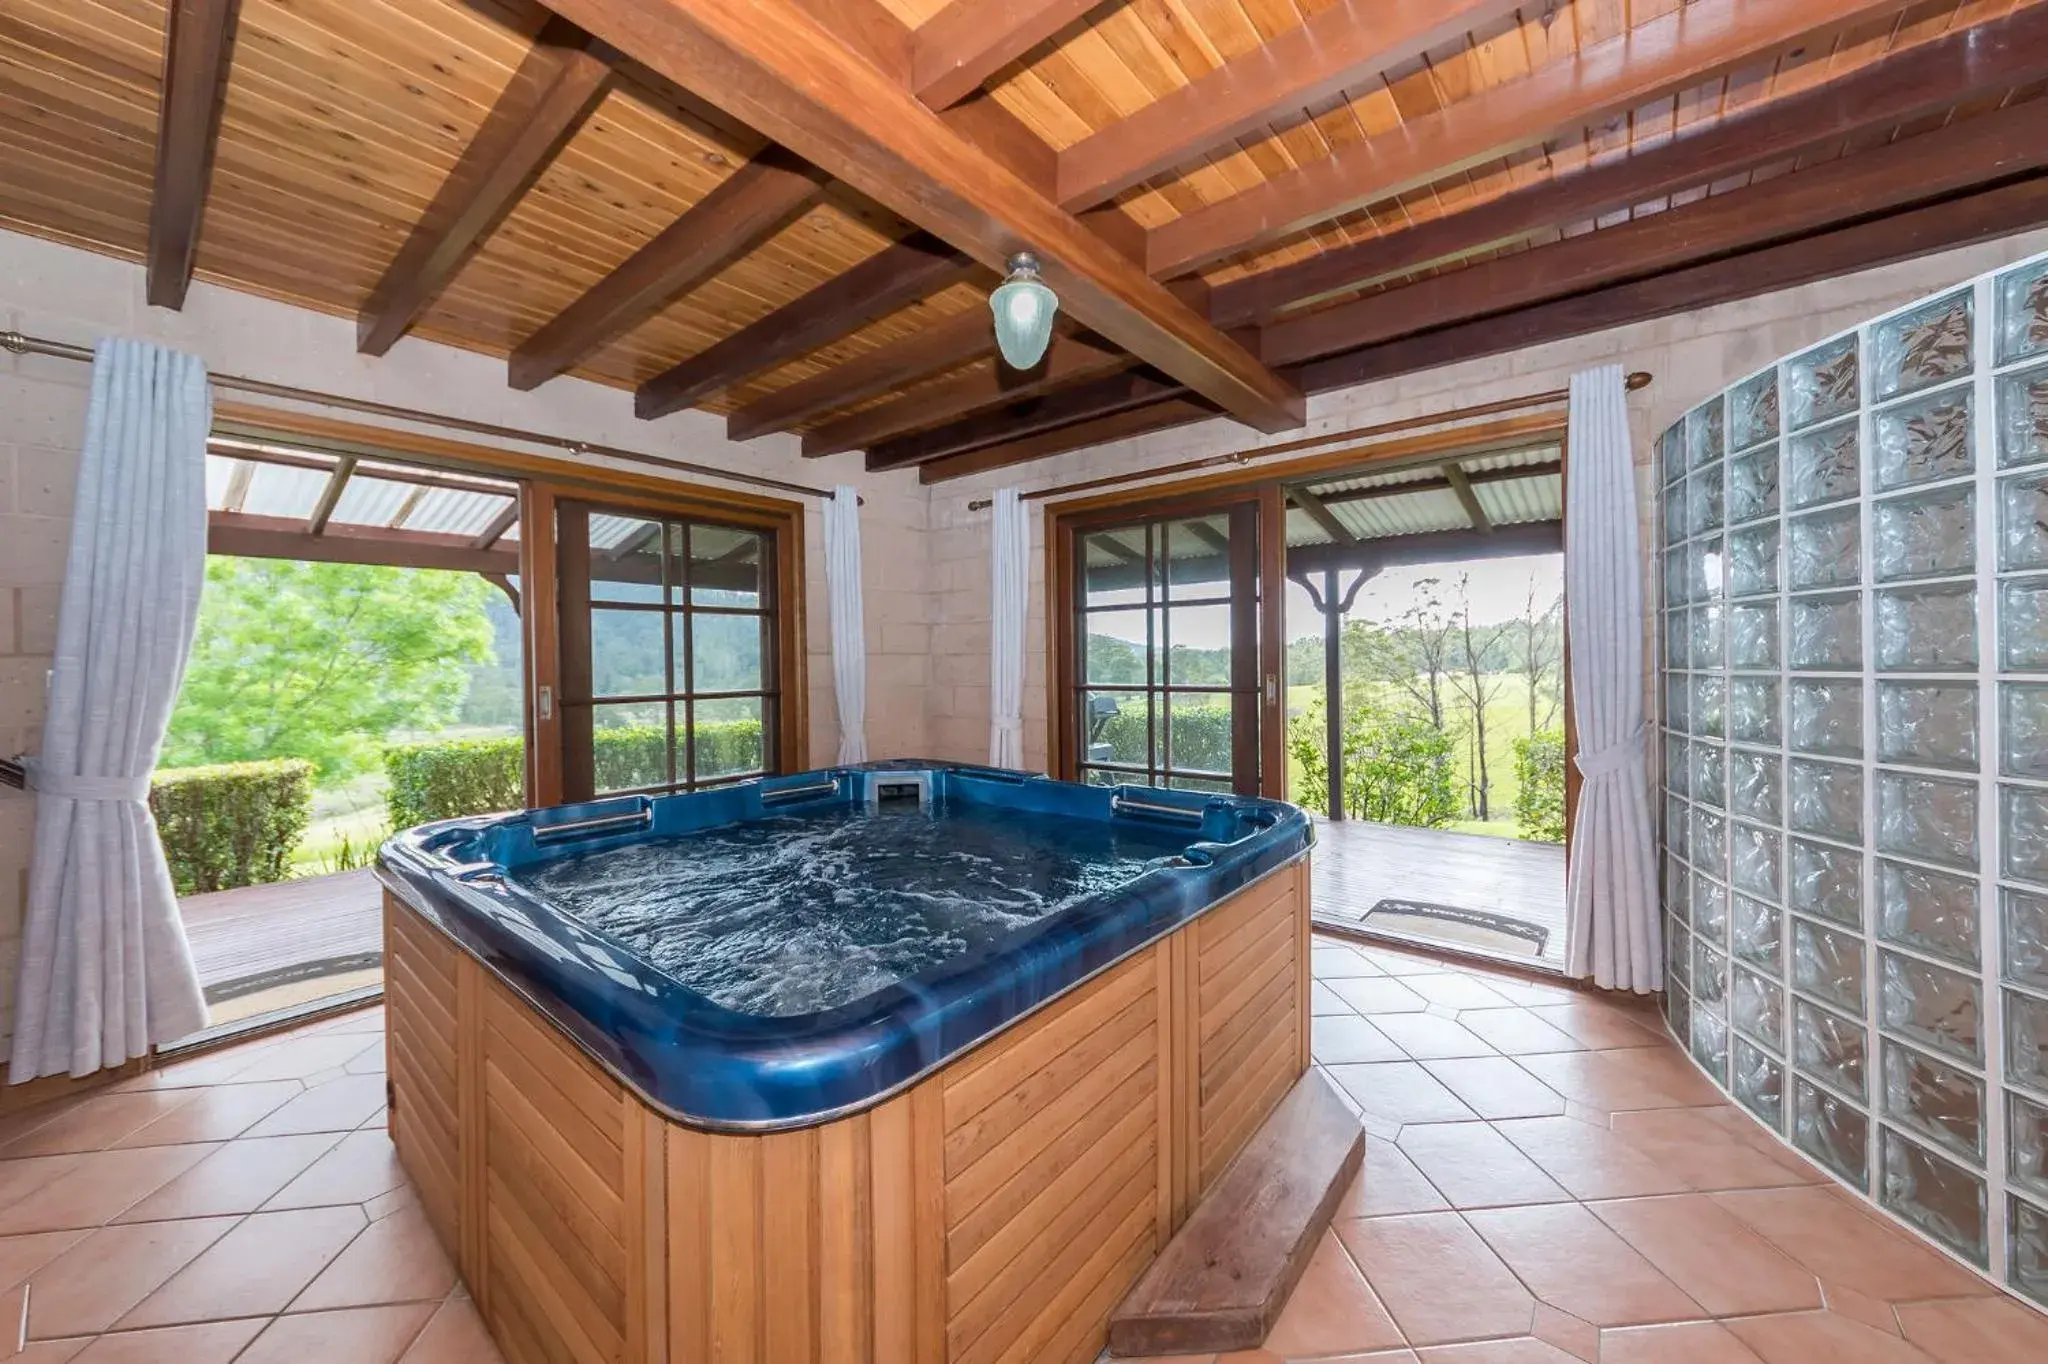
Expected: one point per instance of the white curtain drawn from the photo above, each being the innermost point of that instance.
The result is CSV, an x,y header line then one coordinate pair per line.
x,y
105,970
1613,933
1010,573
849,638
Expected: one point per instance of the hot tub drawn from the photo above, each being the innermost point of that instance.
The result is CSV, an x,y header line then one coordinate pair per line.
x,y
904,1062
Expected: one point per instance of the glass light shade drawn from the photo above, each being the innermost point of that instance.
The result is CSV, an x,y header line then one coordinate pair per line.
x,y
1024,309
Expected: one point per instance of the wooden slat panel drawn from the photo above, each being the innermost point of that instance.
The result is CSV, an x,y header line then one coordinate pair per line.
x,y
421,1058
978,1079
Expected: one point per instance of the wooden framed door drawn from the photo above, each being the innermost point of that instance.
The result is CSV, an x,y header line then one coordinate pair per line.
x,y
1157,645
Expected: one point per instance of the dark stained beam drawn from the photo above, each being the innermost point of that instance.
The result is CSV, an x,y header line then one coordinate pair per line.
x,y
286,537
500,524
555,88
1336,48
1953,223
199,42
1676,50
1984,60
968,41
323,510
1434,547
1461,484
748,207
1962,156
1138,421
776,67
897,275
1068,360
1322,515
1102,397
943,346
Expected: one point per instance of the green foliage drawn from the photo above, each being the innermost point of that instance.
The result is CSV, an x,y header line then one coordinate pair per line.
x,y
324,661
1120,663
1201,735
231,825
1539,774
1398,768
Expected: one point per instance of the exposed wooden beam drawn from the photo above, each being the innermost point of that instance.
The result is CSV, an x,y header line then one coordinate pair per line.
x,y
1675,50
968,41
773,65
1461,483
1919,80
891,278
1138,421
1961,156
1953,223
500,525
748,207
561,80
1336,48
286,537
199,41
1434,547
945,345
1067,360
1322,515
323,510
1084,402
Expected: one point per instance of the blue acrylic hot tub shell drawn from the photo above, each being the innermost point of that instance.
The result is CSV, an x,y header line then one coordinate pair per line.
x,y
712,1067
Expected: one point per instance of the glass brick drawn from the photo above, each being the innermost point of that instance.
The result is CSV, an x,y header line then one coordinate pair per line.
x,y
1677,690
1825,633
1931,818
1935,1099
2022,311
1831,1131
1706,566
1932,1005
1753,934
1677,578
1709,842
2026,1144
1928,910
1928,724
1828,965
2022,418
1925,439
1935,1194
1675,880
1754,857
1923,346
1753,560
1676,818
1753,710
2023,825
1675,524
1756,1007
1709,907
2026,1041
1758,1082
1926,629
2026,1253
1705,651
2023,521
1671,452
1709,775
1825,465
1709,984
1829,1048
1678,957
1709,710
1753,634
1824,549
1753,485
1827,716
1678,1009
1677,764
1710,1043
2025,934
1753,410
1705,433
1825,881
1824,799
1704,503
1821,383
1755,785
1927,535
1677,639
2023,625
2023,729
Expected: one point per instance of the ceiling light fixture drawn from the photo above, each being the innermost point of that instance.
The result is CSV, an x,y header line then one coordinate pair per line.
x,y
1023,306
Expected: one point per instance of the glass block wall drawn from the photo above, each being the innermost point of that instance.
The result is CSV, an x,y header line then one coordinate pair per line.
x,y
1854,712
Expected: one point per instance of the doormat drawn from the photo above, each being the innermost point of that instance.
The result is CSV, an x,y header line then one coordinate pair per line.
x,y
1470,927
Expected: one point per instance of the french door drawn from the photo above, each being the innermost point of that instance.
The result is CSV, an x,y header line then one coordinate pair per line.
x,y
1160,647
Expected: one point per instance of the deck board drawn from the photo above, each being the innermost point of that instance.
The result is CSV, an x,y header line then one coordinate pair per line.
x,y
256,930
1357,864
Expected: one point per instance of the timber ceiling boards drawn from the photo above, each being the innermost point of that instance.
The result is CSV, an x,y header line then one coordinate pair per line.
x,y
671,198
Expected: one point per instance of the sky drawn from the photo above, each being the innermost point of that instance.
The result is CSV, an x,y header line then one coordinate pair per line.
x,y
1499,591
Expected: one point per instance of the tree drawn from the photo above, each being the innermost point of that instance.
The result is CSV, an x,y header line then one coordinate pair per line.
x,y
1538,654
1419,654
1477,685
324,661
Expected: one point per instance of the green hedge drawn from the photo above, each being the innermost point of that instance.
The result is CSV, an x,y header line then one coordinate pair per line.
x,y
1539,803
1397,768
456,777
1201,736
231,825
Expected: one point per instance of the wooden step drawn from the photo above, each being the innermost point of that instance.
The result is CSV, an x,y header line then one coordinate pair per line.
x,y
1221,1282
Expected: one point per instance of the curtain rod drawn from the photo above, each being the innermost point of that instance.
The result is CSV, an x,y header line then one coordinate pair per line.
x,y
1638,379
20,344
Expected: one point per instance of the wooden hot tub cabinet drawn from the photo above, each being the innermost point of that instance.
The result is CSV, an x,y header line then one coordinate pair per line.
x,y
993,1213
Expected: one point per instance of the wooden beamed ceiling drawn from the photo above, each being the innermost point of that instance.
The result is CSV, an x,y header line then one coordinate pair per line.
x,y
790,212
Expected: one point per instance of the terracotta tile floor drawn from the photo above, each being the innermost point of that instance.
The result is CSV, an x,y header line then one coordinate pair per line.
x,y
1546,1180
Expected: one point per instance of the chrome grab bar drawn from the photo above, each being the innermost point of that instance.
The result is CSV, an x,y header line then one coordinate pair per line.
x,y
643,818
1119,804
828,787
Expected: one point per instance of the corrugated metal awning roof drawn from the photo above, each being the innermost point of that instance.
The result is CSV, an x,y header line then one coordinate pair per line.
x,y
248,479
1512,487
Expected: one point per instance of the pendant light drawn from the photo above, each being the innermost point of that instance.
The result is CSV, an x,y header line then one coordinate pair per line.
x,y
1023,306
